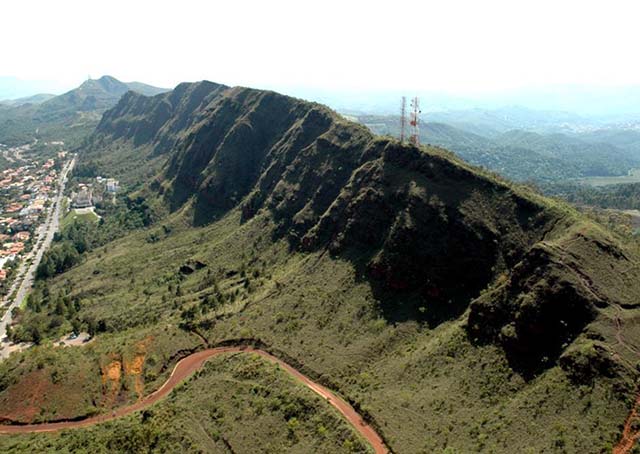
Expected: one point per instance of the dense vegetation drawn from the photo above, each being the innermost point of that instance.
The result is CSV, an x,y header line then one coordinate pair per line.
x,y
527,156
82,234
622,197
50,315
456,311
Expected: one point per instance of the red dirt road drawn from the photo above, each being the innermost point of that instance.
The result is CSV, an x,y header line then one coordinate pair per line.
x,y
184,369
629,434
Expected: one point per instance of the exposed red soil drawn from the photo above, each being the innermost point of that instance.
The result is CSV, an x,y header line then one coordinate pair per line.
x,y
27,396
630,433
184,369
111,374
37,395
135,367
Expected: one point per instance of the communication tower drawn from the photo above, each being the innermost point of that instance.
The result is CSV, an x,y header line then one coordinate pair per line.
x,y
414,119
403,118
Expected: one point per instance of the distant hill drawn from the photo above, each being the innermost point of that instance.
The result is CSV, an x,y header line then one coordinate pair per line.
x,y
591,103
592,158
525,155
70,116
35,99
625,138
96,94
496,121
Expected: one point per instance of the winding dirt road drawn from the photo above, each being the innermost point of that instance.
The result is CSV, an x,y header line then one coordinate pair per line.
x,y
630,434
184,369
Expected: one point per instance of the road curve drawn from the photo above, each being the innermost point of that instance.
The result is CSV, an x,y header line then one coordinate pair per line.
x,y
629,434
184,369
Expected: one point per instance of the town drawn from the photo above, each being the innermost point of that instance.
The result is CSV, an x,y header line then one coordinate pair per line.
x,y
31,199
26,191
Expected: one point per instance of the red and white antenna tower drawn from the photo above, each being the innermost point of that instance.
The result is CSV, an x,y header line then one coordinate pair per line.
x,y
414,119
403,118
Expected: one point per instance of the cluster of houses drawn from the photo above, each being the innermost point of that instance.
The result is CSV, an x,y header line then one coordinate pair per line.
x,y
88,194
24,194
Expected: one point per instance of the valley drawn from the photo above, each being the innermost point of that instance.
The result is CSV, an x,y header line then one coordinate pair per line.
x,y
632,177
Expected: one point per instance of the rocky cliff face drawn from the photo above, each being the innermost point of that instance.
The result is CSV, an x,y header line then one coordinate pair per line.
x,y
434,236
156,120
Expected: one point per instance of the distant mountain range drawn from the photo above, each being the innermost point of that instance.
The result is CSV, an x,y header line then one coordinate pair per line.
x,y
601,103
524,145
491,122
69,116
97,94
34,99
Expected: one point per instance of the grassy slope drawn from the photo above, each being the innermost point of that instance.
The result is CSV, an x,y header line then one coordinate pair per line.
x,y
426,389
72,215
232,405
43,383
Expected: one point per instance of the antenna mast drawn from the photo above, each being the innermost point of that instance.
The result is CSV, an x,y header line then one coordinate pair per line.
x,y
403,118
414,138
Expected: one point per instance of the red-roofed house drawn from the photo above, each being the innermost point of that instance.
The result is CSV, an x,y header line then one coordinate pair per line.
x,y
21,236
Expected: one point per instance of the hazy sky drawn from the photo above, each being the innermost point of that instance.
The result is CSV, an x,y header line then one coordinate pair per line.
x,y
452,45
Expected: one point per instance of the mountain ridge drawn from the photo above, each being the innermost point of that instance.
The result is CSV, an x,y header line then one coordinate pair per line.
x,y
407,280
216,166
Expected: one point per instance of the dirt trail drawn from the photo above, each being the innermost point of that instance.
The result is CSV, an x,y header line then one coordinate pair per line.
x,y
185,368
629,434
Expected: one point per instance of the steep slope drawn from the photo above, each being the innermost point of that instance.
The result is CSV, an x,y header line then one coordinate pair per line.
x,y
413,219
138,132
454,309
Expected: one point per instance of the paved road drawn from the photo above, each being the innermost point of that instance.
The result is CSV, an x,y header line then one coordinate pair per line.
x,y
185,368
25,276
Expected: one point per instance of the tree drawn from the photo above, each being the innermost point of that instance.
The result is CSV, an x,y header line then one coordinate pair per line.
x,y
102,326
59,310
76,325
36,335
92,326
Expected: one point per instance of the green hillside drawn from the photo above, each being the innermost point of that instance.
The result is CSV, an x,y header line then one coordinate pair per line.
x,y
70,117
543,158
457,311
276,412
